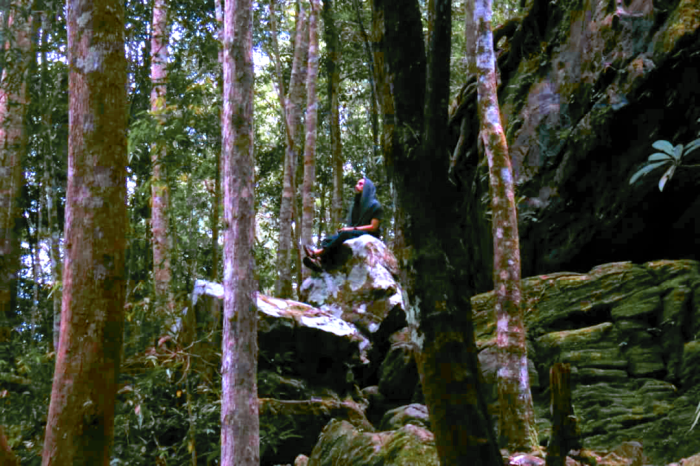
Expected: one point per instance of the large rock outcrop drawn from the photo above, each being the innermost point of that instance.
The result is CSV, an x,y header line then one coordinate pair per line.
x,y
586,89
632,336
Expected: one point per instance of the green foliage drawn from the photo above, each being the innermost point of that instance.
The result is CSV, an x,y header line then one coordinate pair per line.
x,y
669,155
697,418
26,372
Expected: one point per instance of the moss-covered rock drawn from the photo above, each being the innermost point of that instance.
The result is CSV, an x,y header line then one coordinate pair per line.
x,y
292,427
341,444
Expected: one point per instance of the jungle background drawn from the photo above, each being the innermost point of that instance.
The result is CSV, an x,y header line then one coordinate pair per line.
x,y
585,213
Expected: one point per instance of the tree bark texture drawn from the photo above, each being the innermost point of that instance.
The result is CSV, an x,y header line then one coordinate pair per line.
x,y
373,105
240,429
7,457
516,420
439,310
160,193
564,432
308,198
333,67
283,285
13,106
80,424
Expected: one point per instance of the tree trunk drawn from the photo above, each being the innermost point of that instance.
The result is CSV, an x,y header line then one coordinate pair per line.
x,y
516,421
333,68
55,255
80,424
240,436
308,200
283,286
564,432
7,457
374,117
439,310
13,106
160,195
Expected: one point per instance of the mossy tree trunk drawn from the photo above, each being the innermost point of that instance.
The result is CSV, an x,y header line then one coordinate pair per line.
x,y
439,311
240,424
80,424
160,192
516,421
13,138
333,68
292,111
308,198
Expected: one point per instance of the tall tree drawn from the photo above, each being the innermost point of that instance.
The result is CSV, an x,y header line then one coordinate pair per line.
x,y
160,194
13,138
516,420
240,428
308,199
283,285
333,68
436,261
80,424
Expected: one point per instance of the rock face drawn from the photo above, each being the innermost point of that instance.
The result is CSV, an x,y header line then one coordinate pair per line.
x,y
586,88
631,334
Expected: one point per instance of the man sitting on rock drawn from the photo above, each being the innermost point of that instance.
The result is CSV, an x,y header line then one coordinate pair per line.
x,y
363,219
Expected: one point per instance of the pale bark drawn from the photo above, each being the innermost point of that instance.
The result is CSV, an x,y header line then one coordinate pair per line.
x,y
308,199
80,424
516,421
240,436
13,106
283,286
160,193
332,43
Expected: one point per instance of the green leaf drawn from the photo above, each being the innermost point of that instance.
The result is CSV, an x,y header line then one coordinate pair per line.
x,y
646,169
697,417
667,176
678,152
660,156
692,146
663,146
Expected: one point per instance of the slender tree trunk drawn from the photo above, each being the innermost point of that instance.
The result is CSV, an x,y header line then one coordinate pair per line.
x,y
516,421
283,286
333,68
240,436
308,200
160,194
13,106
7,457
439,310
54,249
80,424
374,117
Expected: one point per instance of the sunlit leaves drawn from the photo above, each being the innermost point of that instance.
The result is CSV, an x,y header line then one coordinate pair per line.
x,y
669,154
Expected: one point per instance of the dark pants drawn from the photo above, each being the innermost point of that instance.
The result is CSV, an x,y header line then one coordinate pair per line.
x,y
331,246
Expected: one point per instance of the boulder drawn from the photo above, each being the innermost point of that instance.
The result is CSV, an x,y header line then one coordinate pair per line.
x,y
342,444
416,414
293,427
362,290
307,348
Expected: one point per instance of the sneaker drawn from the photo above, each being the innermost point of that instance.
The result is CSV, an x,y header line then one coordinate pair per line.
x,y
313,264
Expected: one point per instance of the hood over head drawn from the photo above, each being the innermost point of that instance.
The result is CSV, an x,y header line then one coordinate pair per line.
x,y
362,212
